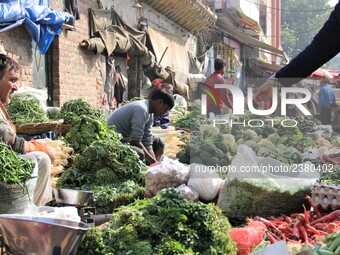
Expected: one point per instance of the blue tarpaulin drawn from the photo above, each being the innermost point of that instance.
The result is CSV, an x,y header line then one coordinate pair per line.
x,y
41,22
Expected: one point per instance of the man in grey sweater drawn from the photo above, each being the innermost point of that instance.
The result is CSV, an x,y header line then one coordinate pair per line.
x,y
134,122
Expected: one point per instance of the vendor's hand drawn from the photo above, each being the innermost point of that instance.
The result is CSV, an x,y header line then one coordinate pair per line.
x,y
265,92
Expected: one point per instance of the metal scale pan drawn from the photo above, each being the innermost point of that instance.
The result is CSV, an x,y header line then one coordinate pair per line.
x,y
32,235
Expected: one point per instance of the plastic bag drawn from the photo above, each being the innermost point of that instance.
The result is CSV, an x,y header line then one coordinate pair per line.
x,y
65,212
169,173
321,131
180,102
291,178
205,181
15,199
188,192
270,187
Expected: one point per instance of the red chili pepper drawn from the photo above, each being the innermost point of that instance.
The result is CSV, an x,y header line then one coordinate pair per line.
x,y
286,229
294,215
290,240
321,226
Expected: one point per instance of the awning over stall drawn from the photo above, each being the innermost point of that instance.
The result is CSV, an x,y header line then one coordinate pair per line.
x,y
171,50
248,40
247,21
41,22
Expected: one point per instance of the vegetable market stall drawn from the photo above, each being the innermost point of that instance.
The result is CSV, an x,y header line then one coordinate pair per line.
x,y
308,145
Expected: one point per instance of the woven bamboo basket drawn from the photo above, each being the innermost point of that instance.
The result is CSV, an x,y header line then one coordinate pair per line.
x,y
38,128
63,129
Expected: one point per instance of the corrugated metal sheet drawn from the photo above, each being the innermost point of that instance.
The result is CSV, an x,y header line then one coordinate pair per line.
x,y
189,14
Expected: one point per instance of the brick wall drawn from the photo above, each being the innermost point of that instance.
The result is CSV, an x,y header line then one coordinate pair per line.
x,y
76,73
17,43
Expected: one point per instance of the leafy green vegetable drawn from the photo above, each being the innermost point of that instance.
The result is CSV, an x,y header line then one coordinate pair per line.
x,y
73,110
102,160
14,170
89,130
108,197
26,109
165,224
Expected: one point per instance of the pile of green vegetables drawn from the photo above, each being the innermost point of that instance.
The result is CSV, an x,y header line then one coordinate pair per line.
x,y
73,110
166,224
14,170
331,246
192,119
89,130
207,149
285,144
104,165
25,108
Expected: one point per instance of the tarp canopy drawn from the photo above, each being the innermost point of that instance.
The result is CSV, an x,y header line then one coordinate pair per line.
x,y
171,50
109,34
41,22
246,39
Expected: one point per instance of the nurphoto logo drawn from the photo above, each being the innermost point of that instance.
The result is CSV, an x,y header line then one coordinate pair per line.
x,y
239,105
239,100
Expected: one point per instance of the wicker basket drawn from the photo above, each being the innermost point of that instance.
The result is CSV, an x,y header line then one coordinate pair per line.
x,y
38,128
63,129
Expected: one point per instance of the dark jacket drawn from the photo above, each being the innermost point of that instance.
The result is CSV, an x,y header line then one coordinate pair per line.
x,y
324,46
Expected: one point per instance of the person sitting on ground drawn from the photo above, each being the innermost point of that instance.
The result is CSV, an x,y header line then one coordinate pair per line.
x,y
9,75
134,122
336,117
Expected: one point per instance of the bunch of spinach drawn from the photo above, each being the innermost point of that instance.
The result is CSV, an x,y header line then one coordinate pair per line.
x,y
165,224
